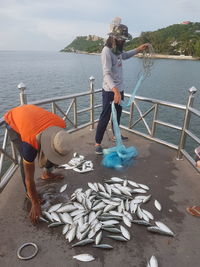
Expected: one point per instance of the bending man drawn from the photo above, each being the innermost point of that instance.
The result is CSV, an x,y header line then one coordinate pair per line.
x,y
36,131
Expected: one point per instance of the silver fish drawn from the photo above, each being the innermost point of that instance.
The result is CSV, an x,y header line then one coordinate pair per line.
x,y
48,216
63,188
133,183
55,217
71,234
54,207
105,246
84,257
158,230
116,179
157,205
139,190
108,188
153,262
125,232
127,221
117,237
163,227
65,229
144,186
142,222
98,238
111,230
110,222
67,208
54,224
148,214
66,218
83,242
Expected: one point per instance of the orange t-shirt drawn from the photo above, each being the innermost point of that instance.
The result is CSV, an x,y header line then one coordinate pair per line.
x,y
30,120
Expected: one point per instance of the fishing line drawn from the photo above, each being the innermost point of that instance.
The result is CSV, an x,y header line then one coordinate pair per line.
x,y
119,156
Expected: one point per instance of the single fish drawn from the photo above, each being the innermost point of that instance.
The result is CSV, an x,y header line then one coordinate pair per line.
x,y
63,188
110,222
116,179
142,222
139,190
144,186
98,238
55,216
111,230
55,224
105,246
127,221
125,232
158,230
157,205
67,208
54,207
117,237
83,242
153,262
134,184
164,227
65,229
84,257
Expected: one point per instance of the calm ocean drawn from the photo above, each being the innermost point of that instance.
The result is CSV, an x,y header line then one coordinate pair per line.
x,y
50,74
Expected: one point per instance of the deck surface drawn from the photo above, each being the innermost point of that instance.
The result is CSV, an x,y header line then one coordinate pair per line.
x,y
175,184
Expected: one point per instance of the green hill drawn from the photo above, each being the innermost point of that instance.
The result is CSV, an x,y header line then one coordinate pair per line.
x,y
176,39
88,44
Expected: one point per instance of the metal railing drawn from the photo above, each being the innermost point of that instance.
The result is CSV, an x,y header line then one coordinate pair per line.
x,y
9,155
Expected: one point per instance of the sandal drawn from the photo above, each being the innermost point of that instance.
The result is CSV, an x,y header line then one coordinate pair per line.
x,y
194,211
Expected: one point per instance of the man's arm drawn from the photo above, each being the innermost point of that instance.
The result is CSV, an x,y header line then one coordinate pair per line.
x,y
35,211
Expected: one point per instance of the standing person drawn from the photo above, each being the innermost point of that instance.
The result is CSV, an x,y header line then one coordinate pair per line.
x,y
195,210
113,89
34,130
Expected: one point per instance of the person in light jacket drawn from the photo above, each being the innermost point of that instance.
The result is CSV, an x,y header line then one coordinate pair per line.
x,y
113,88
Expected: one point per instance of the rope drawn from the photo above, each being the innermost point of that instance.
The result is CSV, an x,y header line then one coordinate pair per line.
x,y
119,156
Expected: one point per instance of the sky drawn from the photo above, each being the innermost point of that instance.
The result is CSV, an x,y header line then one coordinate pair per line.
x,y
53,24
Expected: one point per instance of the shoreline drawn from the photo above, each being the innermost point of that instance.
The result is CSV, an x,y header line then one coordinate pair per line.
x,y
163,56
158,56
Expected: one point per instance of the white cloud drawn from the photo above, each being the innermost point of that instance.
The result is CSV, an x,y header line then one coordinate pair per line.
x,y
37,24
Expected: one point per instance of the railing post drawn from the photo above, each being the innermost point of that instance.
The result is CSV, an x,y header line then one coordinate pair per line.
x,y
53,107
186,121
153,129
23,97
131,115
92,102
75,112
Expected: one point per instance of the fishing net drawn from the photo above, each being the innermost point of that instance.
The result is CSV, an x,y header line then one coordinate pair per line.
x,y
120,156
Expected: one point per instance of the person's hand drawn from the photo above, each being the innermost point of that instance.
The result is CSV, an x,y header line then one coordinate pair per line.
x,y
142,47
35,212
117,96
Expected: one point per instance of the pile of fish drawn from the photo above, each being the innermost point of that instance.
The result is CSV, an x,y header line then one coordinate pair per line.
x,y
111,207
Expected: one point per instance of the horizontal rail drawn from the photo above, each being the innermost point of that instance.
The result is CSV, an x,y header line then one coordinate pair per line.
x,y
168,125
150,138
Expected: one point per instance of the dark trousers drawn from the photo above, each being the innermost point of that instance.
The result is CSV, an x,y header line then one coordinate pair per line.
x,y
107,99
16,139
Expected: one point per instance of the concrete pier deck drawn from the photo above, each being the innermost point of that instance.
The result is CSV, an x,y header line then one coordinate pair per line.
x,y
175,184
